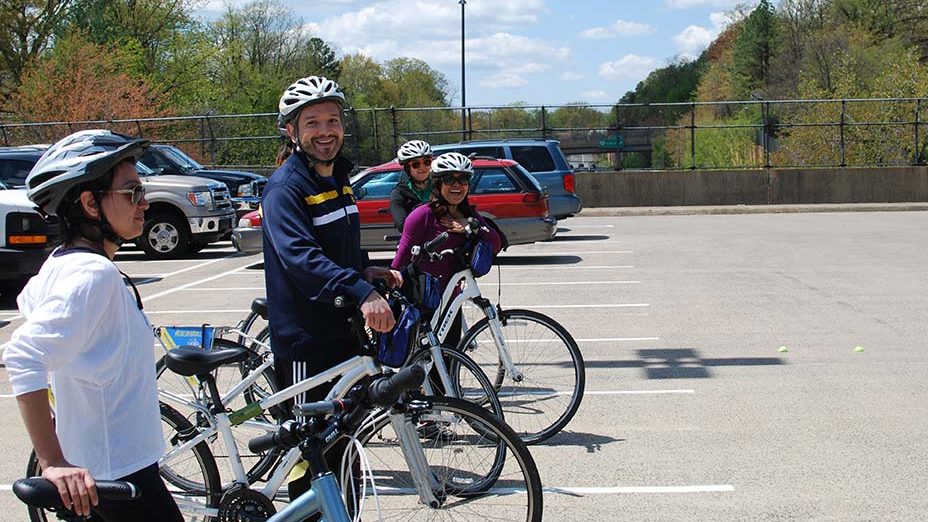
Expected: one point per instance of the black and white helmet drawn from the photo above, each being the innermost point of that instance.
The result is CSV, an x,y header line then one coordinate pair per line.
x,y
305,91
412,150
452,162
82,157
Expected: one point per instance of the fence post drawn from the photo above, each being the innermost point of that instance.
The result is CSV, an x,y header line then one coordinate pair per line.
x,y
765,118
6,139
396,137
470,124
376,134
693,136
544,123
917,155
138,126
841,127
212,141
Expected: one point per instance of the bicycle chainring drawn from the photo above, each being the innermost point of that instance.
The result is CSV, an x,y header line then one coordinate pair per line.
x,y
244,505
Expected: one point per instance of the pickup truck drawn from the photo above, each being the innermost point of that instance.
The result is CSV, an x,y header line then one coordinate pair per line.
x,y
244,187
185,213
25,240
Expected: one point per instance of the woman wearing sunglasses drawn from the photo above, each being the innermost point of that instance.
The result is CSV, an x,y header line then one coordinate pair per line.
x,y
413,189
86,334
448,210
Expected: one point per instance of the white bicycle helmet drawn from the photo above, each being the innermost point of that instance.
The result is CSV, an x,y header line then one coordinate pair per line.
x,y
452,162
312,89
82,157
412,150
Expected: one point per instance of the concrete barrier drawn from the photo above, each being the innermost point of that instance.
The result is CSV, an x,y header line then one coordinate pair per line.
x,y
635,188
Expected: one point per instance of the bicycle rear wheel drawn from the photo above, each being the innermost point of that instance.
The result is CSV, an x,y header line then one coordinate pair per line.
x,y
191,476
481,469
468,380
256,465
553,374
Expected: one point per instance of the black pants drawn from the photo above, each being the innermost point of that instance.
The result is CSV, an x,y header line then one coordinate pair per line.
x,y
290,372
154,505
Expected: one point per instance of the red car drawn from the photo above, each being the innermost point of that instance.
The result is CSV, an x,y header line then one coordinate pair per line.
x,y
500,189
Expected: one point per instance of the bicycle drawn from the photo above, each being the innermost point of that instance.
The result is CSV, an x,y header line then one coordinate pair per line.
x,y
214,421
536,367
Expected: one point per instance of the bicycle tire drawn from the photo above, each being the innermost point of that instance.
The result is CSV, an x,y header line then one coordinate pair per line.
x,y
209,488
482,392
481,474
205,481
256,465
552,368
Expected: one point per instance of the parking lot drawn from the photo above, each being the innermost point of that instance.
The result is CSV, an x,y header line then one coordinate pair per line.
x,y
692,411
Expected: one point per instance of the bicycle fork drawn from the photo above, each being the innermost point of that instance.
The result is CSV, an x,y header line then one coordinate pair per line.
x,y
496,330
414,454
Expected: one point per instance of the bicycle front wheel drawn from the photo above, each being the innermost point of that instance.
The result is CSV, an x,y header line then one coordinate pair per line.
x,y
541,401
468,380
480,469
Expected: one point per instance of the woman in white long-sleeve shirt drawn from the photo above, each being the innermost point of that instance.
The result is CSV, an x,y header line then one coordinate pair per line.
x,y
85,332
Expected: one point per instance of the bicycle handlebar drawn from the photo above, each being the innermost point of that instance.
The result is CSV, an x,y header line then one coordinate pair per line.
x,y
385,391
41,493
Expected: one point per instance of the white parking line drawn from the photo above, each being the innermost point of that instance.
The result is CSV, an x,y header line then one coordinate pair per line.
x,y
523,252
639,392
562,242
620,490
628,305
551,283
571,227
617,339
194,283
515,268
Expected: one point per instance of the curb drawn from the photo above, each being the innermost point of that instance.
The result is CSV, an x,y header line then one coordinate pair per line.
x,y
751,209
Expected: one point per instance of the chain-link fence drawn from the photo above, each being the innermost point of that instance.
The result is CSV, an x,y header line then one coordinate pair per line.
x,y
696,135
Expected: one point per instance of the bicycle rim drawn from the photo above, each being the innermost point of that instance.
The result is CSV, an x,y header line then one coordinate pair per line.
x,y
480,474
550,392
469,381
191,477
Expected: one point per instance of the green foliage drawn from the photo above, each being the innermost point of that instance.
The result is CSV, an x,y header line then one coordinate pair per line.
x,y
754,48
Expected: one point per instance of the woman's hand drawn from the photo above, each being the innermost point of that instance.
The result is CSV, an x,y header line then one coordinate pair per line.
x,y
453,225
75,485
393,277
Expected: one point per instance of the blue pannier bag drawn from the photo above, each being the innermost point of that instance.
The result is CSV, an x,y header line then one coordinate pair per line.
x,y
481,258
428,293
395,345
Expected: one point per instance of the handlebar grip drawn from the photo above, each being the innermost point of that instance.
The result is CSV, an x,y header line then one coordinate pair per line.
x,y
262,443
41,493
384,391
311,409
433,244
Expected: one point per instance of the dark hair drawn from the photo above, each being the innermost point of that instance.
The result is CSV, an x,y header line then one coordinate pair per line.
x,y
439,205
72,222
284,152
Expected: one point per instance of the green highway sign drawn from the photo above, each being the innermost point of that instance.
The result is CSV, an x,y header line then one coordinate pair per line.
x,y
616,141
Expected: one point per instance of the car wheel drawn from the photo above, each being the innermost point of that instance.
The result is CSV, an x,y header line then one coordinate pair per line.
x,y
165,236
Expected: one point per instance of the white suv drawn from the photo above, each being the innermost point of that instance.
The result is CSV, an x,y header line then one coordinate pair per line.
x,y
25,240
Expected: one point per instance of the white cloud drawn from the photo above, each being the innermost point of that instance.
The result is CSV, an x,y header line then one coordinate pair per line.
x,y
625,28
629,67
596,95
596,33
571,76
694,38
619,28
505,80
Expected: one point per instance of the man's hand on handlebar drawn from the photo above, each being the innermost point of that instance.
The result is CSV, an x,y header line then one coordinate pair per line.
x,y
377,313
392,277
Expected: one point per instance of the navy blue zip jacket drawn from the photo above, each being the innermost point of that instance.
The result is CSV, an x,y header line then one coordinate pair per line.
x,y
312,254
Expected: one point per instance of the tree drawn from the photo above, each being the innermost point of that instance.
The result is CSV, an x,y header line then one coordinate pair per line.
x,y
754,48
360,80
26,29
80,80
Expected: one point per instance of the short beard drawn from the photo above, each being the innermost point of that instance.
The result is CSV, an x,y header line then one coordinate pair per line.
x,y
319,161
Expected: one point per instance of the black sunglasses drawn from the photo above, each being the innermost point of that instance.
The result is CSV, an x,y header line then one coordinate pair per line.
x,y
136,193
425,161
451,178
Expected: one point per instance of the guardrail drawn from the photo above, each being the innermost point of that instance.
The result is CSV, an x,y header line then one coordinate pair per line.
x,y
693,135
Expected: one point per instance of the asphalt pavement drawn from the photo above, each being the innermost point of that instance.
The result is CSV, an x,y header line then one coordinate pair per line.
x,y
739,367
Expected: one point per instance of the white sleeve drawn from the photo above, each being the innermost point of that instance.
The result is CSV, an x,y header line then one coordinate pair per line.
x,y
59,328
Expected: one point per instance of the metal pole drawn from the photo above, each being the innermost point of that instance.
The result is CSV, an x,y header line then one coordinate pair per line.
x,y
765,118
544,124
376,135
6,139
918,155
841,128
470,124
396,138
463,83
693,137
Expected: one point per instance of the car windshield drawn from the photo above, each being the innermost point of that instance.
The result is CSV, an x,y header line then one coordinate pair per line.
x,y
377,185
2,186
178,155
143,169
13,172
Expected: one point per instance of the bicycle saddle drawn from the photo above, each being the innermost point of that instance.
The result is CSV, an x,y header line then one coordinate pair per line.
x,y
189,360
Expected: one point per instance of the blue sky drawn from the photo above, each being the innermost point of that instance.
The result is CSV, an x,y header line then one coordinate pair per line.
x,y
531,51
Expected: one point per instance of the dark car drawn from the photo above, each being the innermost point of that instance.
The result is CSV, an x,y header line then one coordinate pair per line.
x,y
500,189
16,162
542,158
244,187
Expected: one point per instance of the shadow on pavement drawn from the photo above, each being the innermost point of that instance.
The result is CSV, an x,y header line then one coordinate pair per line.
x,y
540,259
564,239
591,441
681,363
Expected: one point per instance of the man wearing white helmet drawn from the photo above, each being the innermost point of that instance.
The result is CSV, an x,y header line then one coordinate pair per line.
x,y
312,242
413,189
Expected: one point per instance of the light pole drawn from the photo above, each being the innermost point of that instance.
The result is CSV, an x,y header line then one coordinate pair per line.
x,y
463,83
